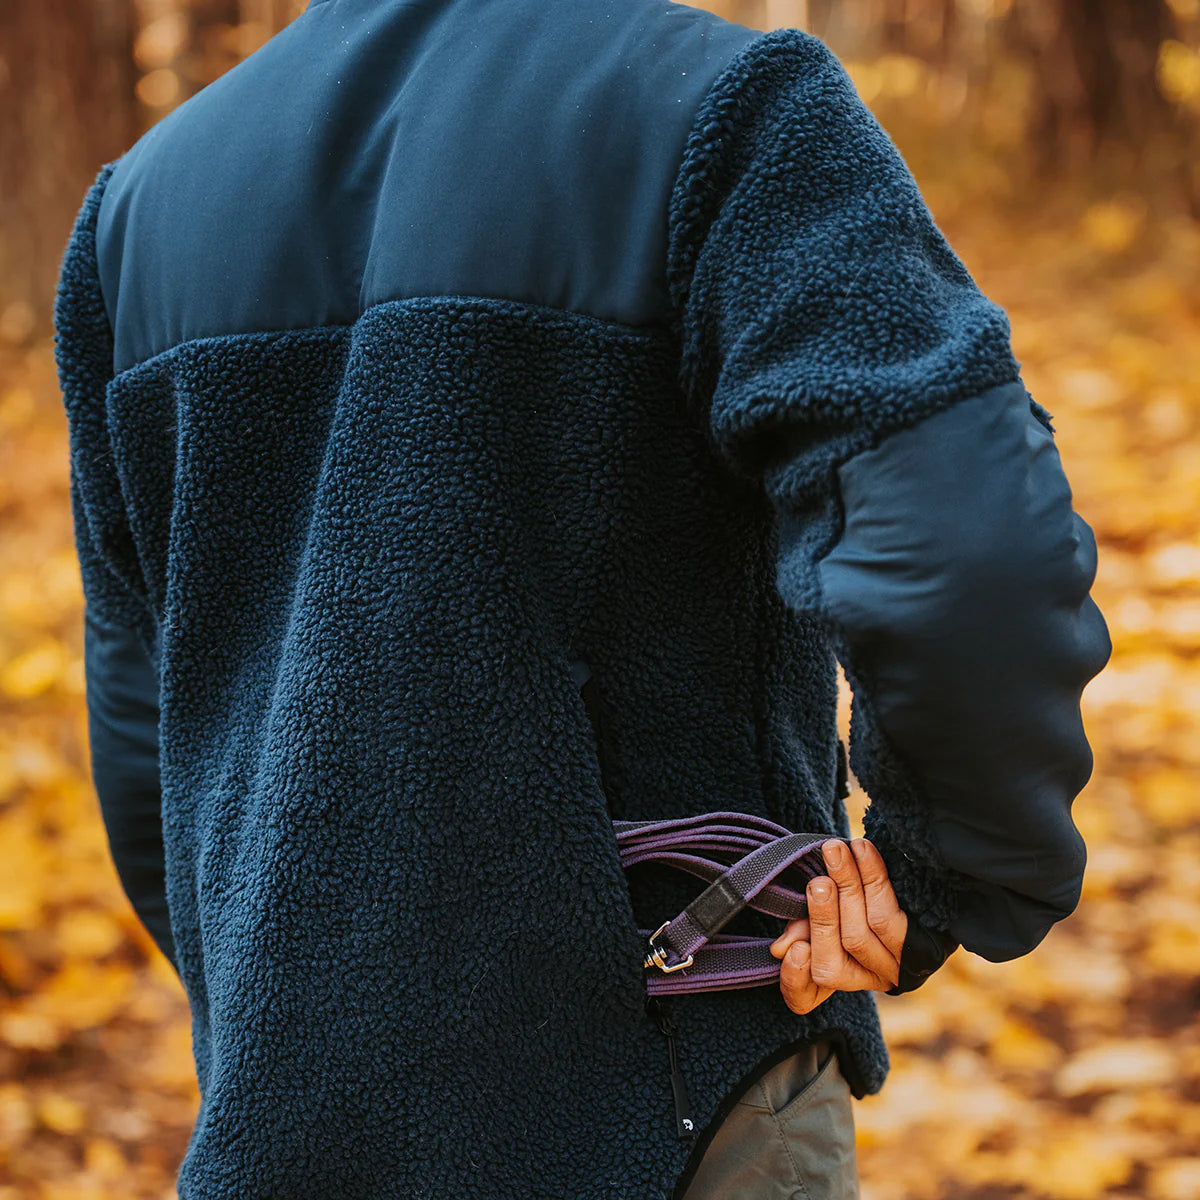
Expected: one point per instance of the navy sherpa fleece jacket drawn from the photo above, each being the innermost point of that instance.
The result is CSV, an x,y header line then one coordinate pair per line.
x,y
442,355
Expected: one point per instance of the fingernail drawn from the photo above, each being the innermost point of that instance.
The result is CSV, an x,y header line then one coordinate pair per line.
x,y
796,953
835,853
859,847
820,891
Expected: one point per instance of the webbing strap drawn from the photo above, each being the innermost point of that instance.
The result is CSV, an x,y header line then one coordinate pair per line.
x,y
740,855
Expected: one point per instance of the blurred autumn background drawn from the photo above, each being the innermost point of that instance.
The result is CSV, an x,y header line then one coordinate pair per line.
x,y
1056,143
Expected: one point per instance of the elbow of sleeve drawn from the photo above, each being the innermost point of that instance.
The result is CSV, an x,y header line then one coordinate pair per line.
x,y
1067,868
958,595
1001,922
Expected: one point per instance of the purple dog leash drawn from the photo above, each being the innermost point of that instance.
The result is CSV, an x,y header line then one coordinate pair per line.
x,y
740,855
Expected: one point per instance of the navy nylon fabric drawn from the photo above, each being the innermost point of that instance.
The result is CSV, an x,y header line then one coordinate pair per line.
x,y
366,539
377,150
963,597
122,707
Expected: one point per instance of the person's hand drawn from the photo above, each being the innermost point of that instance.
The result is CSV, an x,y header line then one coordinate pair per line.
x,y
853,935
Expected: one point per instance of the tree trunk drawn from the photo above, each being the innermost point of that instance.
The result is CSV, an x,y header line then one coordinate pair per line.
x,y
1094,63
67,91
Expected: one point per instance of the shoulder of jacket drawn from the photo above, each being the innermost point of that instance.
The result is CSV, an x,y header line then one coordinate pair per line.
x,y
664,55
783,106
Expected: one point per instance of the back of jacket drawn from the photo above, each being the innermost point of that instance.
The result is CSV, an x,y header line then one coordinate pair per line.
x,y
440,355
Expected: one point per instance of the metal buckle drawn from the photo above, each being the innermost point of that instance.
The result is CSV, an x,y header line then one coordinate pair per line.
x,y
658,956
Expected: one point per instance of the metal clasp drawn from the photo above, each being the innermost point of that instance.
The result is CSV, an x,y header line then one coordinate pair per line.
x,y
658,955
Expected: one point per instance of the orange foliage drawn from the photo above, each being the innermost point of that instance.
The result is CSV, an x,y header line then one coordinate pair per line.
x,y
1071,1074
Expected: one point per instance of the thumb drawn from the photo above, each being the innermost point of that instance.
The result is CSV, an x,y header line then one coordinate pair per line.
x,y
799,928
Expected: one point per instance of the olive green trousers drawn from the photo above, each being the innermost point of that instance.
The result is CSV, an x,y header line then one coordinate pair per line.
x,y
789,1136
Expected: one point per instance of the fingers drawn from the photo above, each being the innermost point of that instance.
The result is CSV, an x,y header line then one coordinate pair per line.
x,y
800,991
887,920
854,933
798,928
867,913
831,966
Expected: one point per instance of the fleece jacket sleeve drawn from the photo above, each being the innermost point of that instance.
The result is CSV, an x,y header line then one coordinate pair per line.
x,y
120,632
123,711
845,363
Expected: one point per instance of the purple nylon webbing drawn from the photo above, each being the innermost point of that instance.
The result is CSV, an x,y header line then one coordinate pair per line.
x,y
740,855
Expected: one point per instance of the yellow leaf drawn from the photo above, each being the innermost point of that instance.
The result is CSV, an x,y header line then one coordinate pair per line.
x,y
16,967
61,1113
1113,1066
172,1065
29,1031
1178,72
1171,796
1176,564
87,933
16,1114
104,1158
1019,1047
35,671
1178,1179
1082,1167
26,869
1088,387
1174,947
1112,226
82,994
21,600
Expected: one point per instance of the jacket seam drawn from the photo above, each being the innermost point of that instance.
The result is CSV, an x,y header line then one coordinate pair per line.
x,y
653,333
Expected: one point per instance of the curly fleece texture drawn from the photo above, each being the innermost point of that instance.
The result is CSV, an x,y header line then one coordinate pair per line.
x,y
410,951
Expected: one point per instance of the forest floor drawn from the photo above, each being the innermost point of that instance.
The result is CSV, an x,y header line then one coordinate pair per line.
x,y
1070,1074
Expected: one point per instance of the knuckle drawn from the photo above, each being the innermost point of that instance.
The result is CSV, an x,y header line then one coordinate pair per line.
x,y
876,887
883,923
868,870
823,974
793,997
855,942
